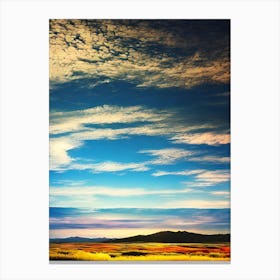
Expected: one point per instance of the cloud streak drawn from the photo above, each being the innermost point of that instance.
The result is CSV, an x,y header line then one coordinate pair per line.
x,y
207,138
117,192
149,218
167,156
181,173
69,130
202,178
201,204
211,159
214,177
71,121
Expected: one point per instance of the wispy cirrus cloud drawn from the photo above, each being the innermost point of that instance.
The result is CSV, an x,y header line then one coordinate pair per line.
x,y
117,49
214,177
109,166
61,160
201,204
172,155
181,173
99,167
211,159
95,196
69,130
137,222
109,191
208,138
221,193
82,221
150,122
201,178
71,121
167,156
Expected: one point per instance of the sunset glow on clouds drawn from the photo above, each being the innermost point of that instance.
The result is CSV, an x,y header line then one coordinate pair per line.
x,y
126,50
139,125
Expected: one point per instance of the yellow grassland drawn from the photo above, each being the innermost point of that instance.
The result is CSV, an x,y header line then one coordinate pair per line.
x,y
139,252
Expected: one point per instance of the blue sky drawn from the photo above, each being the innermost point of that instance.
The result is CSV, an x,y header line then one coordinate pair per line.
x,y
140,126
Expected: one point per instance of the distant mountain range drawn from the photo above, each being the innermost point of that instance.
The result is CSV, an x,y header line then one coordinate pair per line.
x,y
77,239
160,237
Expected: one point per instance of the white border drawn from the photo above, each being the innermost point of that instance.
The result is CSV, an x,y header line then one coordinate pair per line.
x,y
255,138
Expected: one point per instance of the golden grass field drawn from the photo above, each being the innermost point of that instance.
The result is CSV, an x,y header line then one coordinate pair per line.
x,y
139,251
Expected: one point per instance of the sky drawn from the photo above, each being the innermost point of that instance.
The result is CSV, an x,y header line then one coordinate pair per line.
x,y
139,127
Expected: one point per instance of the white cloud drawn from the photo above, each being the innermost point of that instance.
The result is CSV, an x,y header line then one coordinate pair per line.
x,y
213,159
172,155
71,121
116,166
200,204
167,156
58,151
77,126
195,184
152,122
208,138
60,160
217,176
182,173
99,167
222,193
202,178
108,191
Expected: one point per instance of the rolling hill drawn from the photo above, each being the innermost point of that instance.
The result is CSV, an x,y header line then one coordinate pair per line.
x,y
176,237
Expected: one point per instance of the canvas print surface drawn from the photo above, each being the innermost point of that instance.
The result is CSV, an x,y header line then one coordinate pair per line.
x,y
139,140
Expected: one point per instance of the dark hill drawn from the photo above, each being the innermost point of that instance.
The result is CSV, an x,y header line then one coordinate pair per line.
x,y
176,237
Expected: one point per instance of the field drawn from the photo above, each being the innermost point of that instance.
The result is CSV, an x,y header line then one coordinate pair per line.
x,y
139,251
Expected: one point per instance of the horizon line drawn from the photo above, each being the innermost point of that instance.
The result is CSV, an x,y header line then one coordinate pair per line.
x,y
138,207
228,233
